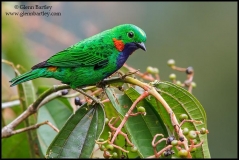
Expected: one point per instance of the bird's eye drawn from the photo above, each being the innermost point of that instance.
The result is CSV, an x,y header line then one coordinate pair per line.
x,y
131,34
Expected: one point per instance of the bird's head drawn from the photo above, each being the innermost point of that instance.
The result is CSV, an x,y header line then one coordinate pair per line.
x,y
128,37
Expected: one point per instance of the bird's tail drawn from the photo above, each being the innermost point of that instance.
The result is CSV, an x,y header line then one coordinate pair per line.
x,y
33,74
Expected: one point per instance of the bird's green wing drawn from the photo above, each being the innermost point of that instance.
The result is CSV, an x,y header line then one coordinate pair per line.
x,y
75,56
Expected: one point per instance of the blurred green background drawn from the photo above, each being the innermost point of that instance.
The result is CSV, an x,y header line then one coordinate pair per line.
x,y
198,34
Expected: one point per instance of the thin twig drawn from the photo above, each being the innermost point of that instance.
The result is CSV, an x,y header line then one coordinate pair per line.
x,y
34,127
142,96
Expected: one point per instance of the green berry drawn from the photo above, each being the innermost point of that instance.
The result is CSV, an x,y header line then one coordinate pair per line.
x,y
174,142
150,69
194,85
114,155
102,147
203,131
183,116
155,70
141,109
192,134
171,62
185,131
183,153
106,120
110,147
134,149
195,141
178,83
193,149
172,76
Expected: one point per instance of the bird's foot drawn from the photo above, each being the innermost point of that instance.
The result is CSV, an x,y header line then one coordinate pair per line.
x,y
101,84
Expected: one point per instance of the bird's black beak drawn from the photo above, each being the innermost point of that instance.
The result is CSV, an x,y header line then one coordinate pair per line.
x,y
141,45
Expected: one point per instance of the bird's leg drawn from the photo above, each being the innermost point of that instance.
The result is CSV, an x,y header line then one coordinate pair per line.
x,y
101,84
87,95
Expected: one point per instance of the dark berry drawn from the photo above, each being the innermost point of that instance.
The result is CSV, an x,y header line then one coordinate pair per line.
x,y
64,92
170,139
77,101
189,70
181,138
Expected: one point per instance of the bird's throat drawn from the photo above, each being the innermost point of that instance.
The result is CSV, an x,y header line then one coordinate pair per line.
x,y
129,48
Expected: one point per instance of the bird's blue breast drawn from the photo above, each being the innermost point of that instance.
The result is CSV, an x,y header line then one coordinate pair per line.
x,y
129,48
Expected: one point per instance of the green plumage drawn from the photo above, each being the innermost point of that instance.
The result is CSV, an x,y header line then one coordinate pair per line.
x,y
91,60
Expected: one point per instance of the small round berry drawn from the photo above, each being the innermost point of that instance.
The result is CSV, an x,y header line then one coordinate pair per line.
x,y
114,155
183,153
179,83
64,92
189,70
170,139
193,149
110,147
185,131
203,131
141,109
171,62
181,138
195,141
102,147
106,155
183,116
172,76
150,69
194,85
106,120
165,153
77,101
134,149
174,142
192,134
155,70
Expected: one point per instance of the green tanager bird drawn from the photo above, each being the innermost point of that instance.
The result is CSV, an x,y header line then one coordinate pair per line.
x,y
90,60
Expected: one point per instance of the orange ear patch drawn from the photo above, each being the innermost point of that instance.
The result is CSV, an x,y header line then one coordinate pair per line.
x,y
52,68
119,45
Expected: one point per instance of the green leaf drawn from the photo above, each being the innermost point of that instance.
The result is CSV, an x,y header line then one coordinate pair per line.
x,y
182,102
27,96
57,112
141,129
77,137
